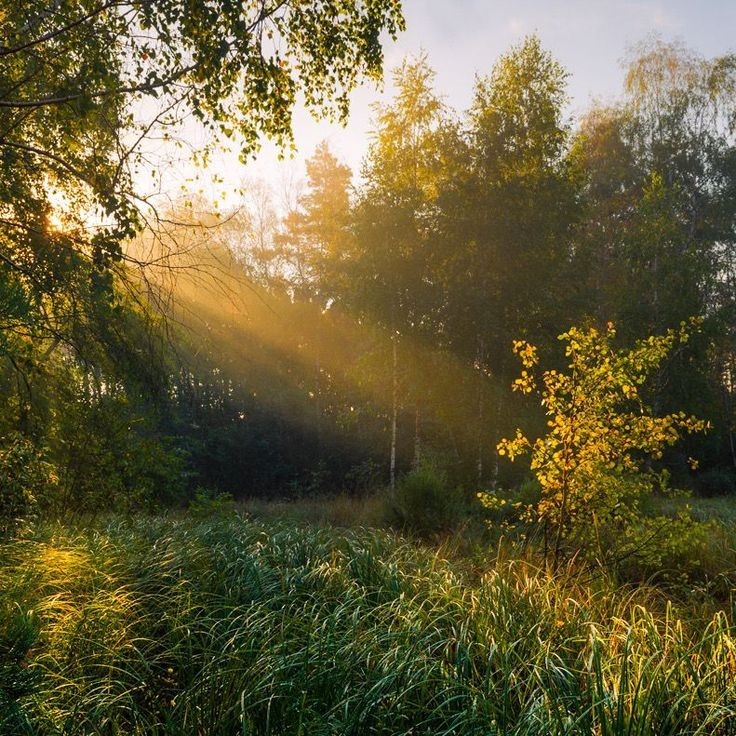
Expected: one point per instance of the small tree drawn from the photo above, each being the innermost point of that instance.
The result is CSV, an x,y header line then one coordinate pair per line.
x,y
600,433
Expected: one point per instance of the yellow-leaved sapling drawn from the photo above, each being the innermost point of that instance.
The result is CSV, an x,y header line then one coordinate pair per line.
x,y
593,462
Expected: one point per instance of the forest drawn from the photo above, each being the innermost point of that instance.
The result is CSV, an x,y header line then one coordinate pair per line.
x,y
446,445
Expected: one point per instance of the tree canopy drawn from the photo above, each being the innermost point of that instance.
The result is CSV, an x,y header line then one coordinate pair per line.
x,y
85,87
85,82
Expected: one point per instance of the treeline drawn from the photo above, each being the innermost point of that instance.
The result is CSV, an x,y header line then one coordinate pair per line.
x,y
401,295
372,325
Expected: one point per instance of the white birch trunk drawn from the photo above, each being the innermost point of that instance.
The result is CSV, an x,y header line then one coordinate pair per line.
x,y
394,409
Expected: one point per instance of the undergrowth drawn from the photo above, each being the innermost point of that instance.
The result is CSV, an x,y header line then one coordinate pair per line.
x,y
229,626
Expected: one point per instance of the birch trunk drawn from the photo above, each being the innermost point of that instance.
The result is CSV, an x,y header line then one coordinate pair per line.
x,y
394,409
481,407
417,434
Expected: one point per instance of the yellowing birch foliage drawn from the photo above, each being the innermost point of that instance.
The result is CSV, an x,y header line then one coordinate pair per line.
x,y
599,433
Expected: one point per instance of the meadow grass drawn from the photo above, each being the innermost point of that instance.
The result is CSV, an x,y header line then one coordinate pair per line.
x,y
342,510
234,626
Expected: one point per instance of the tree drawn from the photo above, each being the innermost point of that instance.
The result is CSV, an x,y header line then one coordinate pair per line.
x,y
81,76
252,233
600,430
655,243
519,137
317,231
386,275
85,86
512,212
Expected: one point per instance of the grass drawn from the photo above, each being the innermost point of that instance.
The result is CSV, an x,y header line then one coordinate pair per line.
x,y
343,510
722,508
230,626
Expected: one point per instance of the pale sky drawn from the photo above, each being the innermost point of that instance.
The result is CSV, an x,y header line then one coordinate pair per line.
x,y
465,37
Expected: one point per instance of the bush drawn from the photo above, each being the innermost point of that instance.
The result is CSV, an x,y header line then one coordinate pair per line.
x,y
600,429
24,476
111,458
364,477
18,633
208,503
425,503
511,508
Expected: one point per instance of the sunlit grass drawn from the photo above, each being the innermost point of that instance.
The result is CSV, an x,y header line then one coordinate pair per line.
x,y
230,626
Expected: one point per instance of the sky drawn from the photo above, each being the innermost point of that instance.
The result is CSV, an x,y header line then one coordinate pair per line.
x,y
463,38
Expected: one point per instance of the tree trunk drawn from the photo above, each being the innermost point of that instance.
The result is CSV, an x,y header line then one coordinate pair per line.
x,y
417,434
318,390
481,407
394,410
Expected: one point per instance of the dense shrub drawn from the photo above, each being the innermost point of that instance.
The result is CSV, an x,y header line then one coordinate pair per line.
x,y
425,502
363,477
24,477
207,502
590,462
112,458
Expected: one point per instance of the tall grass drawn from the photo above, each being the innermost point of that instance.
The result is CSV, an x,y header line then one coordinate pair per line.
x,y
229,626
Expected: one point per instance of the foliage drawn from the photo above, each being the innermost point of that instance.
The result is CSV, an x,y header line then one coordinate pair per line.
x,y
395,300
317,232
425,502
658,172
18,634
420,276
525,199
87,85
363,477
25,477
208,503
600,431
370,325
109,456
77,72
224,625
